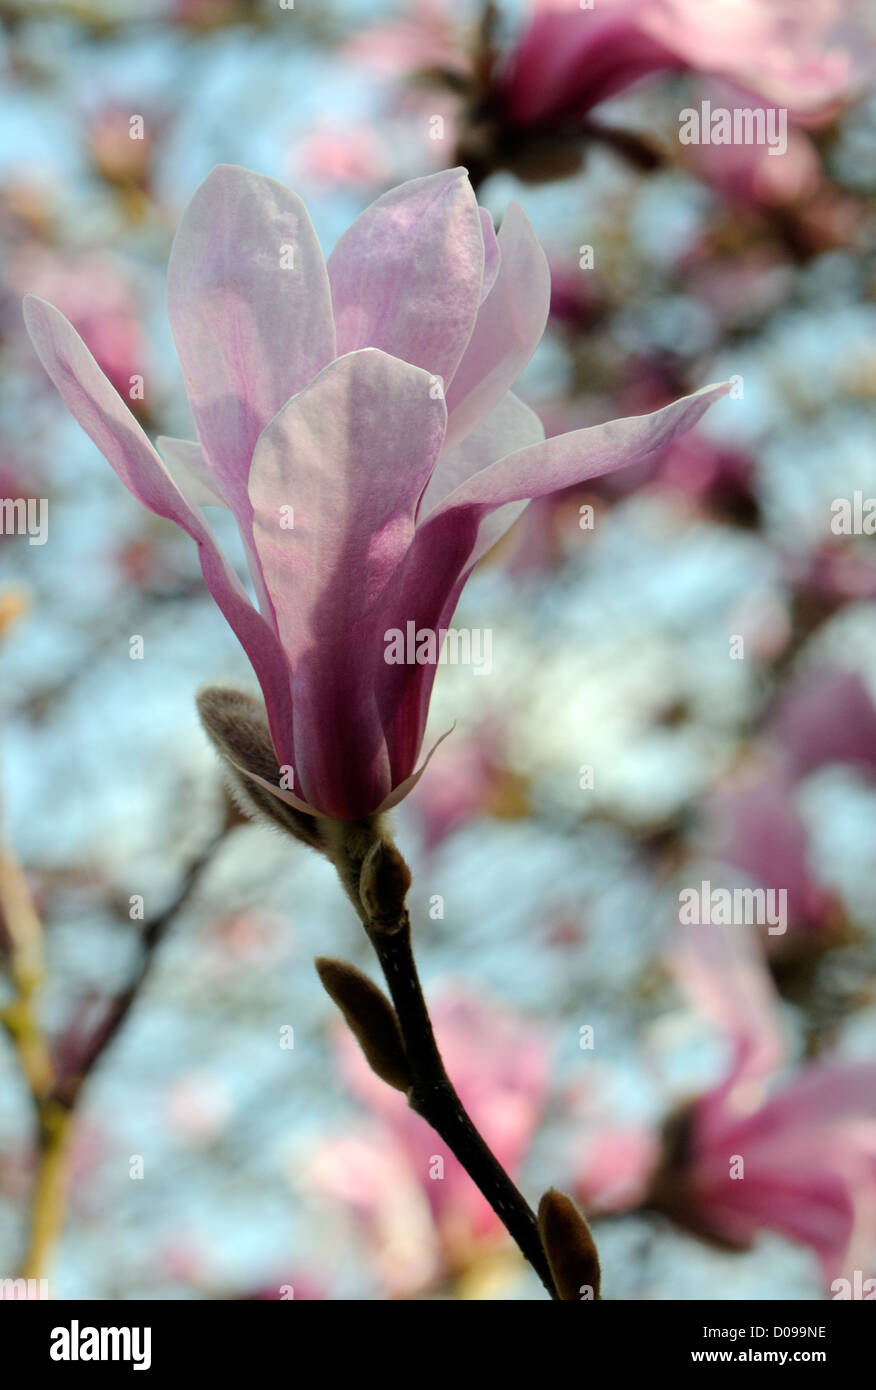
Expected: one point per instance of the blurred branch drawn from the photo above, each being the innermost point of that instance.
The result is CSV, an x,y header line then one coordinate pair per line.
x,y
54,1096
19,1018
98,22
151,936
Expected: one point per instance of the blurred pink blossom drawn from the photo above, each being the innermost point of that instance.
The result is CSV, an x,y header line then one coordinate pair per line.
x,y
752,823
835,573
353,157
713,477
416,1206
569,58
739,290
469,781
761,1150
616,1169
826,716
750,176
97,297
577,297
199,1106
425,37
797,1156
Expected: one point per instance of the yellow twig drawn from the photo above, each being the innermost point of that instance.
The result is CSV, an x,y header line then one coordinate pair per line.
x,y
20,1018
49,1200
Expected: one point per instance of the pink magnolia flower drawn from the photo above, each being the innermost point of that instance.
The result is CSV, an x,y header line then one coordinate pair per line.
x,y
569,58
724,978
828,716
754,825
796,1155
356,419
807,1146
423,39
836,572
748,176
809,1156
417,1208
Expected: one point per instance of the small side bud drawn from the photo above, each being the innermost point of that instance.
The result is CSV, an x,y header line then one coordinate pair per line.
x,y
384,881
370,1018
237,726
569,1247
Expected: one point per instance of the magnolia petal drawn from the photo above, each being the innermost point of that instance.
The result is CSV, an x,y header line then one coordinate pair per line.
x,y
569,459
187,466
250,308
492,254
106,419
509,327
470,520
407,276
401,791
510,425
724,974
351,455
569,59
185,462
280,793
828,1092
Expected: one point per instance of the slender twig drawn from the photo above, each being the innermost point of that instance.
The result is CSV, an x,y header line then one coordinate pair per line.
x,y
20,1018
151,936
55,1097
434,1098
376,879
24,932
49,1197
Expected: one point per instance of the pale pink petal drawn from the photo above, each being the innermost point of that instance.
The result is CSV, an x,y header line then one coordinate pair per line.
x,y
185,462
509,327
407,276
350,455
106,419
723,972
823,1094
281,793
492,254
572,458
753,823
250,308
828,716
472,517
509,426
401,791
